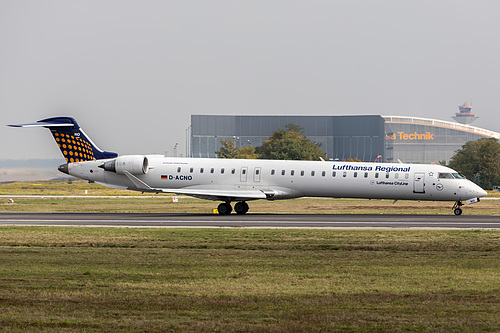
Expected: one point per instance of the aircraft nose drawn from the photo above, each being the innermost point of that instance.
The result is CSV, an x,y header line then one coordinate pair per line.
x,y
477,191
482,193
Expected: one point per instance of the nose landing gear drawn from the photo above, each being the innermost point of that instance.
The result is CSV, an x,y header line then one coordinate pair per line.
x,y
456,208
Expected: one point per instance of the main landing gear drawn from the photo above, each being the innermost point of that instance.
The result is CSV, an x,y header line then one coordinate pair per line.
x,y
226,209
456,208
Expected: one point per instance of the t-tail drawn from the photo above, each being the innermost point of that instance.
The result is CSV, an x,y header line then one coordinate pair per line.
x,y
75,145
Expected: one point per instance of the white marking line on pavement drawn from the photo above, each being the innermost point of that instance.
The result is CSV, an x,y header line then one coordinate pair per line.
x,y
242,222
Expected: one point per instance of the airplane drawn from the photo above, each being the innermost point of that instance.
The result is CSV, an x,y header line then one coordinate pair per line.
x,y
242,180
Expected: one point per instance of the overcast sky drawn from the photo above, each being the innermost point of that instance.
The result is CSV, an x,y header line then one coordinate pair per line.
x,y
132,72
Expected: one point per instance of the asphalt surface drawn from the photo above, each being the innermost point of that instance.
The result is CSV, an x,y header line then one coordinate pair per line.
x,y
252,220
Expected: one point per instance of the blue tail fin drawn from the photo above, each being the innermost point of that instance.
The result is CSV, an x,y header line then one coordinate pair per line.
x,y
75,145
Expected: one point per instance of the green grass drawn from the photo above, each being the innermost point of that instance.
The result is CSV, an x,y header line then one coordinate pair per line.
x,y
61,187
243,280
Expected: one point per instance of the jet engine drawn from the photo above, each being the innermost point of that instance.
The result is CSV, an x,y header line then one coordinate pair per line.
x,y
135,164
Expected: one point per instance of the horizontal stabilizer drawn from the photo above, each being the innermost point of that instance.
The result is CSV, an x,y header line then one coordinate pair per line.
x,y
74,144
44,124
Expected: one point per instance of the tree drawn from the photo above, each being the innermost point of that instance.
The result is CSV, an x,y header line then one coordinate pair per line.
x,y
247,152
230,150
479,161
290,144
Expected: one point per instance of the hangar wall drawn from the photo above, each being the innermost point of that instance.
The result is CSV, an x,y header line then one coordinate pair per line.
x,y
341,137
365,137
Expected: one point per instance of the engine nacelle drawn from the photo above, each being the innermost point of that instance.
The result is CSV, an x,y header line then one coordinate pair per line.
x,y
135,164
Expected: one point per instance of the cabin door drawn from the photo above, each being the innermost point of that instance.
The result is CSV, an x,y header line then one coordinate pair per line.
x,y
256,175
418,182
243,174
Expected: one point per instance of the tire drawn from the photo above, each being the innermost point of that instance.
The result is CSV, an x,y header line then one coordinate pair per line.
x,y
241,208
458,211
224,209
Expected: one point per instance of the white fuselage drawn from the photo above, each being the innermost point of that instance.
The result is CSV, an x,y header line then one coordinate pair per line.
x,y
289,179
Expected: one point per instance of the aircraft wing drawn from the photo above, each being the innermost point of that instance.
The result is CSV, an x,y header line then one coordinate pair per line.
x,y
216,195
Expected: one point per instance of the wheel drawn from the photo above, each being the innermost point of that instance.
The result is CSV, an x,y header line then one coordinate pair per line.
x,y
241,208
458,211
224,208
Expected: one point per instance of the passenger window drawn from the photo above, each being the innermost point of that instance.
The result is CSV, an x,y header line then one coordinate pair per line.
x,y
244,171
272,172
407,175
222,170
334,173
233,171
212,170
376,174
366,174
344,174
292,172
323,174
387,175
313,173
201,170
191,170
301,172
179,169
355,175
396,175
257,171
282,172
444,175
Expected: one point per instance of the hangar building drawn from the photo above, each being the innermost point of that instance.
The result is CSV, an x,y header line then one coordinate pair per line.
x,y
364,137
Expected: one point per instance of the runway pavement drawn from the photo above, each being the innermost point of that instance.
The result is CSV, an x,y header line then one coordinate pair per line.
x,y
251,220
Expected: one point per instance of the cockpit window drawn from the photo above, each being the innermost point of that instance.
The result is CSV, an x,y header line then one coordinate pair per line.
x,y
445,175
458,176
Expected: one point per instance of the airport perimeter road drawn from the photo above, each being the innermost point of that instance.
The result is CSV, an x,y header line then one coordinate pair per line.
x,y
250,220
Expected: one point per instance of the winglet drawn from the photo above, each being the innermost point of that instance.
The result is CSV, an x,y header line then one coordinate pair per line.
x,y
139,184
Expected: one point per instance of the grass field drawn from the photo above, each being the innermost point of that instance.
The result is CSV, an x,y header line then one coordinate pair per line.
x,y
163,203
243,280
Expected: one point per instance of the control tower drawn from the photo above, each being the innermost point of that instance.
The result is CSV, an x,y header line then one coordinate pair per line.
x,y
465,116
